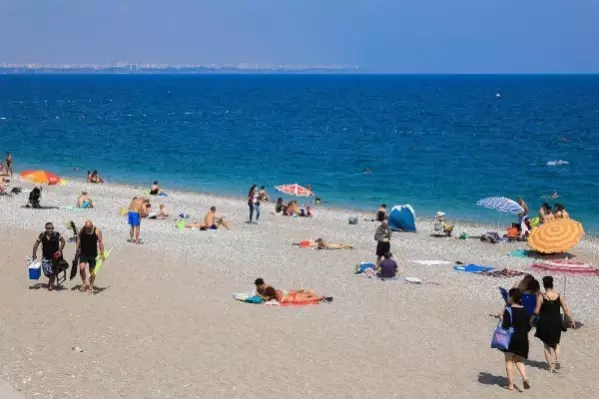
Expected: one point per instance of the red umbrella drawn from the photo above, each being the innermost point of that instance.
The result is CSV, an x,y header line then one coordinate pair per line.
x,y
295,189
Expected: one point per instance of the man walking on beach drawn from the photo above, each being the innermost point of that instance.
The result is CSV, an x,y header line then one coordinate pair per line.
x,y
138,209
88,242
52,243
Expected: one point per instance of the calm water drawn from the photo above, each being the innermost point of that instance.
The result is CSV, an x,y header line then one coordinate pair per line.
x,y
436,142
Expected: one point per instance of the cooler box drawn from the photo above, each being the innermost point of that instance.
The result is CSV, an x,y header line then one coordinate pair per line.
x,y
35,270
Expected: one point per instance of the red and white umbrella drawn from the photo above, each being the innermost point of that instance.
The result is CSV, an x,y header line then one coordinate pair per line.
x,y
295,189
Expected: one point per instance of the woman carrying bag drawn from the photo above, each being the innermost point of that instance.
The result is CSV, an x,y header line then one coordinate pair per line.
x,y
511,337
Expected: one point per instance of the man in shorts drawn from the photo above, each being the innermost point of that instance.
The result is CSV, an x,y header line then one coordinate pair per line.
x,y
52,243
88,241
138,209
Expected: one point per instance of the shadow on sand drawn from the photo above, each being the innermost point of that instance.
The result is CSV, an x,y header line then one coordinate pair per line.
x,y
490,379
97,290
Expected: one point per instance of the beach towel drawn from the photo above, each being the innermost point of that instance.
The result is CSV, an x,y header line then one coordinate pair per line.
x,y
248,298
72,208
503,273
472,268
100,262
520,253
431,262
363,266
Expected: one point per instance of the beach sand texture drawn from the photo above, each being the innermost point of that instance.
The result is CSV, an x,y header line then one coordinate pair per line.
x,y
164,324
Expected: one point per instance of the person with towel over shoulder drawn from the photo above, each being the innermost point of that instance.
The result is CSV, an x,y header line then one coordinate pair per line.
x,y
383,238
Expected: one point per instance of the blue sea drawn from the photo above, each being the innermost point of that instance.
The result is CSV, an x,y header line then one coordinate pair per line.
x,y
436,142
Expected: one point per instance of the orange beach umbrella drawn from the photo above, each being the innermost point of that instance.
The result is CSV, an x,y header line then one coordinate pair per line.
x,y
556,236
40,177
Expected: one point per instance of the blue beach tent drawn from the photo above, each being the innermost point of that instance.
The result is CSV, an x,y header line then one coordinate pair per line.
x,y
402,218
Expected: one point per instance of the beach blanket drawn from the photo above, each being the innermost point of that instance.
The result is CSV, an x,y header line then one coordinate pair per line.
x,y
520,253
431,262
72,208
472,268
503,273
567,266
248,298
363,266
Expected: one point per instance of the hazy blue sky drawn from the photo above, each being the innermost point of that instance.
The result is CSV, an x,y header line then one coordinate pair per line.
x,y
384,35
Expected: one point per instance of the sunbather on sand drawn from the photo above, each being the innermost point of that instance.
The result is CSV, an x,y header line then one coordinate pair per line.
x,y
293,296
319,243
163,212
84,201
211,222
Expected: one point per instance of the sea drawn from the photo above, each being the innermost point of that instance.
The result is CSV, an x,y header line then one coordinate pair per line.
x,y
437,142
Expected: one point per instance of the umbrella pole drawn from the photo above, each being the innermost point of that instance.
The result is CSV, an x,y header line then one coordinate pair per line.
x,y
565,283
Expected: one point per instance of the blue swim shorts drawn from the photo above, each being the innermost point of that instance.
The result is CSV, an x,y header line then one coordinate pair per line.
x,y
134,219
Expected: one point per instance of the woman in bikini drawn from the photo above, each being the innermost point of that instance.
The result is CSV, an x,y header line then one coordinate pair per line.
x,y
293,296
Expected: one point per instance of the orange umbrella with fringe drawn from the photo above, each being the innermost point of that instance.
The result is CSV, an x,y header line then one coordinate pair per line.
x,y
40,177
556,236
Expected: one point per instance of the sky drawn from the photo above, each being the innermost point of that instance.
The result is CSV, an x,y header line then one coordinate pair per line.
x,y
401,36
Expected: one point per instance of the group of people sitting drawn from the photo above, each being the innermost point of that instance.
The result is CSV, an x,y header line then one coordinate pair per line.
x,y
292,209
546,214
298,296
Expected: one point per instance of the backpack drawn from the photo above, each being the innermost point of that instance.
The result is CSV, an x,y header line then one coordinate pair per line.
x,y
352,220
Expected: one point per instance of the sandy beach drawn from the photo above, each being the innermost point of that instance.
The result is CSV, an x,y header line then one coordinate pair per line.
x,y
164,324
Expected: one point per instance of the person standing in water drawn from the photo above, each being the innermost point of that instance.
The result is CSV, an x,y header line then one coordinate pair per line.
x,y
88,242
8,160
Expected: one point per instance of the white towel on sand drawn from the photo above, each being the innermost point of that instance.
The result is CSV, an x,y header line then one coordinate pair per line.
x,y
431,262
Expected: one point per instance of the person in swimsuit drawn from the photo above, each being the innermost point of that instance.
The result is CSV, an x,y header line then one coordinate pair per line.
x,y
560,212
263,195
319,243
524,206
293,296
52,242
381,214
252,199
139,208
163,212
211,222
8,160
88,241
279,206
261,286
382,236
84,201
95,178
155,189
545,214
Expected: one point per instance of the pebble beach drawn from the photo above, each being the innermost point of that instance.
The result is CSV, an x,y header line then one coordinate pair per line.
x,y
163,323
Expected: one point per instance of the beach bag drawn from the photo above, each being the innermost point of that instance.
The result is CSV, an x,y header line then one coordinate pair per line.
x,y
502,337
352,220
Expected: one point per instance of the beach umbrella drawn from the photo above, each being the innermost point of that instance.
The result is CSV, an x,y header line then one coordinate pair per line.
x,y
556,236
501,204
295,190
40,177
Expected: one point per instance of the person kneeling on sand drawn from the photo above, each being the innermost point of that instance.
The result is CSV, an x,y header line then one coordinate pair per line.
x,y
84,201
293,296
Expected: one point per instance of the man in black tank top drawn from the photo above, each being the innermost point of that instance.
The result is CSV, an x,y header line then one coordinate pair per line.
x,y
88,241
52,242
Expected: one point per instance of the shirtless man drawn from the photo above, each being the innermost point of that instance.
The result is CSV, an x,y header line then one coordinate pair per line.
x,y
163,212
84,201
138,209
8,160
211,222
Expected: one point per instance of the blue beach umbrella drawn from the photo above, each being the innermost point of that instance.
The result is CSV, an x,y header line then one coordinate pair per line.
x,y
501,204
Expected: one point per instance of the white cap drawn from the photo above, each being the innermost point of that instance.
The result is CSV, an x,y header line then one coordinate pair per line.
x,y
440,214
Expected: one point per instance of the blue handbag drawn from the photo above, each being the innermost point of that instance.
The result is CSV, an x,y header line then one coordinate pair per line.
x,y
502,337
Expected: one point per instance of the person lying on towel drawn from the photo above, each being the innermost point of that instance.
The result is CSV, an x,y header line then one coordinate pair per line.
x,y
295,296
319,243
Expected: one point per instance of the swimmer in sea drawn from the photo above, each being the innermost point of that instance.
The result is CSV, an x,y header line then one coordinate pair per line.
x,y
555,195
367,171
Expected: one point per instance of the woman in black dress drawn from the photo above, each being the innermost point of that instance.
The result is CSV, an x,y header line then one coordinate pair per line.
x,y
518,348
549,325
